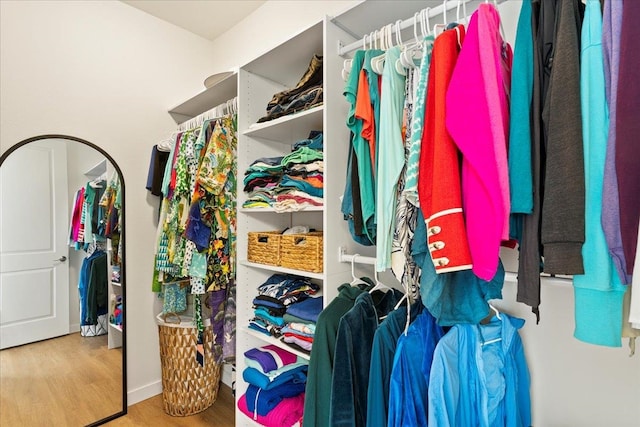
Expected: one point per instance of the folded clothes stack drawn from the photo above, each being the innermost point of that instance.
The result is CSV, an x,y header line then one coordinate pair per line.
x,y
290,183
274,296
276,382
300,323
261,180
302,183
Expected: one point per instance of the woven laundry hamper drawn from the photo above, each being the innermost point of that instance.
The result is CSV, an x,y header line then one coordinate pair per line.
x,y
187,387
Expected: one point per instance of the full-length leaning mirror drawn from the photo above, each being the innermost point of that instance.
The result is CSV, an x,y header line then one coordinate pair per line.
x,y
62,284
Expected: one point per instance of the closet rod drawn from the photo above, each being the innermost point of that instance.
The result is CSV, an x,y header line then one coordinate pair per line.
x,y
409,23
213,113
358,259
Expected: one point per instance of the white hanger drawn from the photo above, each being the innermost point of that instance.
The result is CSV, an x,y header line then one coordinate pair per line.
x,y
464,11
377,62
379,285
442,26
356,281
496,312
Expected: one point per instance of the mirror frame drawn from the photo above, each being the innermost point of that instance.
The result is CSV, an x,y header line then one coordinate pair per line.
x,y
123,271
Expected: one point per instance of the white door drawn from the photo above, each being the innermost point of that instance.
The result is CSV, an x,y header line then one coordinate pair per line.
x,y
34,274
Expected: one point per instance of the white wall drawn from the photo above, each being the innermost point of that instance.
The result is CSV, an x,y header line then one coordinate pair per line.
x,y
105,72
271,24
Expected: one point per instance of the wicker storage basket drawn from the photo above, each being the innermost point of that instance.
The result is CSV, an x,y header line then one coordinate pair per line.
x,y
264,247
302,251
187,387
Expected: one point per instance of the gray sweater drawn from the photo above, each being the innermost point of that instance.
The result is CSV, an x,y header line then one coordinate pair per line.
x,y
563,206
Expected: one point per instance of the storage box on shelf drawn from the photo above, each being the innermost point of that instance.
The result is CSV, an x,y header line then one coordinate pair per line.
x,y
264,247
302,251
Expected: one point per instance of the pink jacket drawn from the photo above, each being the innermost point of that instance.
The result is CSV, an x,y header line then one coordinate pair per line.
x,y
478,121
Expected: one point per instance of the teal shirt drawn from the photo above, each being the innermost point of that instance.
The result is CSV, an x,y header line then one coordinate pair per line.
x,y
317,399
391,156
417,123
520,169
599,291
361,147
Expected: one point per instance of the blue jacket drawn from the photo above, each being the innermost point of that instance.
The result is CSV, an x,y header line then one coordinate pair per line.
x,y
382,354
480,385
410,375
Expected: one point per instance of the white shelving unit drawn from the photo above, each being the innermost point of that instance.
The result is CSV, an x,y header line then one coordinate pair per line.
x,y
258,81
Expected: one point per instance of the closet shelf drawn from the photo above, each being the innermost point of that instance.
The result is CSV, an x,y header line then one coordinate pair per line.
x,y
217,94
116,284
116,327
274,341
288,129
272,210
277,269
98,170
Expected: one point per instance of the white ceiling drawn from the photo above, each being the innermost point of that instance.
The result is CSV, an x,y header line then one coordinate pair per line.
x,y
206,18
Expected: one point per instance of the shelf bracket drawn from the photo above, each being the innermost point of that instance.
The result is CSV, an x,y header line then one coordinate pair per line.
x,y
355,258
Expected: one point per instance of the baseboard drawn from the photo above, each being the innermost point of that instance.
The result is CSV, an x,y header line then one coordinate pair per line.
x,y
155,388
74,328
144,392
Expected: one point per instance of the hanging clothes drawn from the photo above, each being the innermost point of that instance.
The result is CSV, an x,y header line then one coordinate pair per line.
x,y
562,223
408,391
454,297
439,176
353,347
94,294
382,354
628,126
391,157
367,191
529,260
611,30
417,124
519,159
317,402
477,119
479,376
197,230
598,292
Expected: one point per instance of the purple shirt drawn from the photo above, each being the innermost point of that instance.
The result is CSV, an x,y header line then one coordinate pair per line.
x,y
612,24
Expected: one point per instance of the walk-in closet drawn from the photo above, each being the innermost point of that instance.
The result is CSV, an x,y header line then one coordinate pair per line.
x,y
338,213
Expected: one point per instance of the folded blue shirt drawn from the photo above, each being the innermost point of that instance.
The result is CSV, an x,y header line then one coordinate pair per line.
x,y
308,309
258,379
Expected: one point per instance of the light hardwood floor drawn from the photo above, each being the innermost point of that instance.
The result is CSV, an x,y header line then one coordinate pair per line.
x,y
73,381
150,413
65,381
